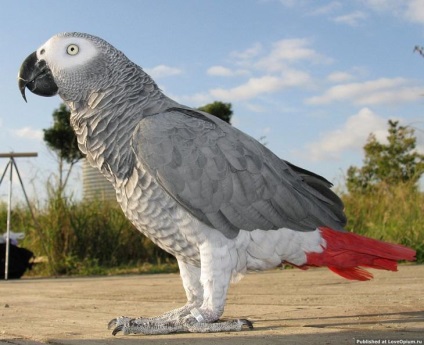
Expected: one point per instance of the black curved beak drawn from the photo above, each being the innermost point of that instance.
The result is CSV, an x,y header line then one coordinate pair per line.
x,y
35,75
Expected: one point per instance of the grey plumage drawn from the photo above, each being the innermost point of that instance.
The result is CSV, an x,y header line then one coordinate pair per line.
x,y
214,197
229,180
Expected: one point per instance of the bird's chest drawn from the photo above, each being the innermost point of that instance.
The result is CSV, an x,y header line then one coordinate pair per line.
x,y
158,216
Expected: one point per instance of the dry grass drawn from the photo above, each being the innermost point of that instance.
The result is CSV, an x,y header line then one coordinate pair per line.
x,y
85,238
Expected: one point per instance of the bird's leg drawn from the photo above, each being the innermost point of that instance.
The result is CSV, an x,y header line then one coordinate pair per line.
x,y
217,265
190,276
199,314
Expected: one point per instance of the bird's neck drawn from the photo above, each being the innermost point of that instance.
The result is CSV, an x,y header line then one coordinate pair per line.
x,y
105,124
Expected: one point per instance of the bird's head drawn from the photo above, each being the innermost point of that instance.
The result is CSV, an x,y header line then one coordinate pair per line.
x,y
72,65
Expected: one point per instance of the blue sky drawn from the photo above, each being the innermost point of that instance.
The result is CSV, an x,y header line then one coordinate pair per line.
x,y
314,77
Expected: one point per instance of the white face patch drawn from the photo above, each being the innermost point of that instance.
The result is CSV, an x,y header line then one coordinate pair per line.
x,y
62,53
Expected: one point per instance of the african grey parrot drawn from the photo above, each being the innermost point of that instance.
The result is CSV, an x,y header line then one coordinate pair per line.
x,y
207,193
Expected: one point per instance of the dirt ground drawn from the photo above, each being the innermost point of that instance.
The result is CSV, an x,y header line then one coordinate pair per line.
x,y
287,307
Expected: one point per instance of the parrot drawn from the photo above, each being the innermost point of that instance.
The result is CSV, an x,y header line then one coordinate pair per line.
x,y
218,200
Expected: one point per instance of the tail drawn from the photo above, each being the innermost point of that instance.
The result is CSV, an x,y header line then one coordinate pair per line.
x,y
345,253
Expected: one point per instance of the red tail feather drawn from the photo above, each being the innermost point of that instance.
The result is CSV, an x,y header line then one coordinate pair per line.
x,y
345,252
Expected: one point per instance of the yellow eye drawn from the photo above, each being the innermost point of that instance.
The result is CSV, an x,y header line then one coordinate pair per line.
x,y
72,49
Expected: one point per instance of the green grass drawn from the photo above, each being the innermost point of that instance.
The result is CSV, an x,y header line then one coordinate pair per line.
x,y
95,238
394,214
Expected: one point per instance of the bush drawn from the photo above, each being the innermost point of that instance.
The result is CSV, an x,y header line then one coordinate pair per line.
x,y
86,238
390,213
83,237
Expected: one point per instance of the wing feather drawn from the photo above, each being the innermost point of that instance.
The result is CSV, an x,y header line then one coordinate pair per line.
x,y
229,180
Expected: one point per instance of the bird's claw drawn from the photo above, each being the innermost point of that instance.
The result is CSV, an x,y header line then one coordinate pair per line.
x,y
117,324
112,323
247,323
117,329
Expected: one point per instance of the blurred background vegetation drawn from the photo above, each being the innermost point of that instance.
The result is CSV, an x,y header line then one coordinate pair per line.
x,y
73,237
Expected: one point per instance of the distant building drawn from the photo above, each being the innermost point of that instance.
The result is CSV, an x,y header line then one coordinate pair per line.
x,y
95,185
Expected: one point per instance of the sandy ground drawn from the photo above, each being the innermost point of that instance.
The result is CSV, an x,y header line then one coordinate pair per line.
x,y
287,307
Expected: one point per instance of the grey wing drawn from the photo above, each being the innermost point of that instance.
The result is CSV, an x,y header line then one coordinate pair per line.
x,y
227,179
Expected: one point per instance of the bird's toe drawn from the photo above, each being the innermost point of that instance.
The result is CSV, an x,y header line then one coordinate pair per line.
x,y
118,321
117,329
247,323
112,323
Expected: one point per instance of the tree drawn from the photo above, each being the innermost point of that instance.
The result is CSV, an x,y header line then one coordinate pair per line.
x,y
61,139
219,109
390,164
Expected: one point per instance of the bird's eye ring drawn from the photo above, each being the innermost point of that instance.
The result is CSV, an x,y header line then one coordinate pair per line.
x,y
72,49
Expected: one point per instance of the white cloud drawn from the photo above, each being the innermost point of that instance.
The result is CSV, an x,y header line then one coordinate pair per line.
x,y
292,3
265,84
292,50
289,51
352,19
162,71
415,11
339,77
195,100
351,136
252,88
393,96
410,10
383,90
419,133
266,71
288,3
28,133
326,9
266,130
249,53
222,71
385,5
255,107
219,71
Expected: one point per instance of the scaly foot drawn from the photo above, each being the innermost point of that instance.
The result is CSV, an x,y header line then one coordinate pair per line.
x,y
194,323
